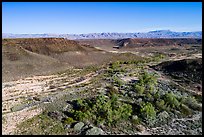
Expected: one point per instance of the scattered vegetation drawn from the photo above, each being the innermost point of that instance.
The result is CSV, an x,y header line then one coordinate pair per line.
x,y
101,110
144,107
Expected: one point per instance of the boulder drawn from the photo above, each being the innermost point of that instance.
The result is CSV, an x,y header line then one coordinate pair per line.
x,y
95,131
140,128
78,126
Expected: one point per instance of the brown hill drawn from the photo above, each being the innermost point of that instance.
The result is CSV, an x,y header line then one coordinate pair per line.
x,y
36,56
45,46
18,62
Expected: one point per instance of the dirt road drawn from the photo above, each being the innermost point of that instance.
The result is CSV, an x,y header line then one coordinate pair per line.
x,y
17,93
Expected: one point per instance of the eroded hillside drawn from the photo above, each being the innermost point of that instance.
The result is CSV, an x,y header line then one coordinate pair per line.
x,y
36,56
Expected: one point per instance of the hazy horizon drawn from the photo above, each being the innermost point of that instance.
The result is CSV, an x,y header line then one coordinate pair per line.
x,y
96,32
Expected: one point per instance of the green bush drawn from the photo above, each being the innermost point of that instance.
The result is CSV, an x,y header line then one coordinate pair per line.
x,y
158,57
148,112
68,121
147,83
160,104
80,116
118,81
139,89
157,96
149,97
185,110
104,110
171,100
192,103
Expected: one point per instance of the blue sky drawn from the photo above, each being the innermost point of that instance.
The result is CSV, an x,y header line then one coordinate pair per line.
x,y
97,17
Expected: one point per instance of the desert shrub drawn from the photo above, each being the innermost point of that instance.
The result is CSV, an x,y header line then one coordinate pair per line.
x,y
112,90
148,113
158,57
185,110
149,97
68,121
192,103
117,81
114,65
160,104
99,121
81,105
157,96
126,111
110,71
114,68
104,110
171,100
140,89
147,83
80,116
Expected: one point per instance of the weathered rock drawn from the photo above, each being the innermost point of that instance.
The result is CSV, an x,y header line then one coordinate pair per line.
x,y
95,131
134,117
163,115
78,126
140,128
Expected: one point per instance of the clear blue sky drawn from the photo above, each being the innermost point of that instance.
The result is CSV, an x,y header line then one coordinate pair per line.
x,y
97,17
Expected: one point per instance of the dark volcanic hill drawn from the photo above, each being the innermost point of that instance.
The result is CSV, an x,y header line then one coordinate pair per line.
x,y
188,68
139,42
188,72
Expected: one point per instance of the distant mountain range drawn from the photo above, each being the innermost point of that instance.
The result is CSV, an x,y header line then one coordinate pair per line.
x,y
150,34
